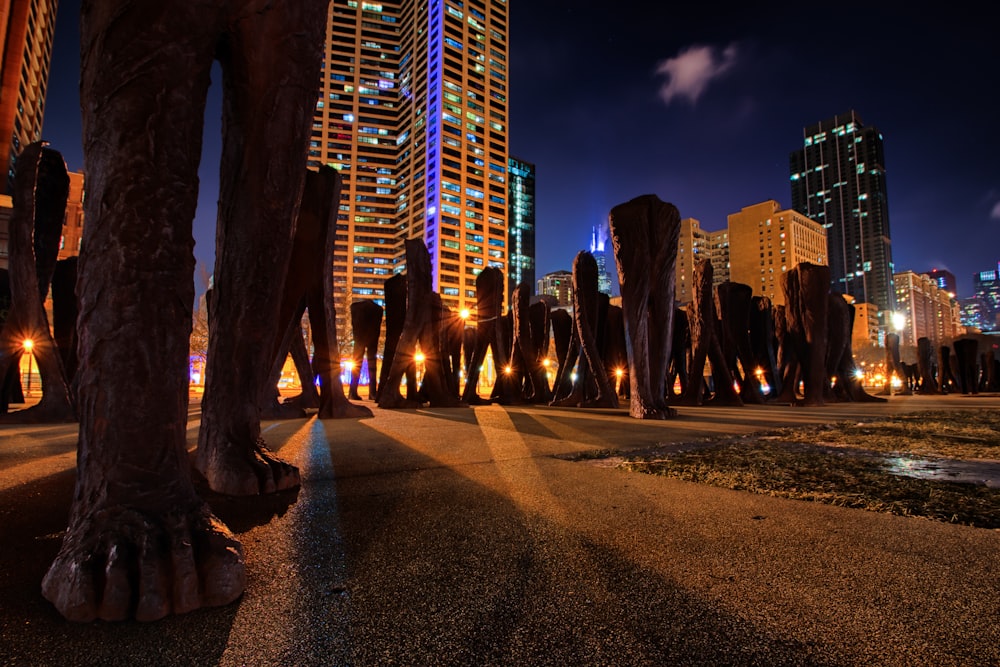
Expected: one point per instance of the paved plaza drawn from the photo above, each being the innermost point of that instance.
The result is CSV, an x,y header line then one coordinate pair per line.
x,y
459,537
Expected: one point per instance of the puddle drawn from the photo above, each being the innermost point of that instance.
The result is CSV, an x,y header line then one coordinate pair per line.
x,y
984,473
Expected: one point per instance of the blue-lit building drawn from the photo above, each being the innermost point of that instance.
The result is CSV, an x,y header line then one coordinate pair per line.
x,y
521,224
838,180
982,309
598,243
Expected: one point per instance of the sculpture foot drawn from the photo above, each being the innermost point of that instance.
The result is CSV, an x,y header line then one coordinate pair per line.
x,y
249,471
354,396
45,412
642,411
282,411
395,401
303,401
119,563
344,410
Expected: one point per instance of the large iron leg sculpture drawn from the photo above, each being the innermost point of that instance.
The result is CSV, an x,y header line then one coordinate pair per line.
x,y
489,300
40,189
592,387
366,321
140,542
422,326
705,346
645,234
527,341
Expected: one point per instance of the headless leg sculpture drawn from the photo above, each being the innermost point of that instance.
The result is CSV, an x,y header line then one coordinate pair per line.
x,y
592,389
840,357
925,362
946,373
527,342
735,306
64,314
567,350
395,318
762,342
645,234
40,189
366,321
140,543
680,349
895,366
702,322
421,326
489,295
814,290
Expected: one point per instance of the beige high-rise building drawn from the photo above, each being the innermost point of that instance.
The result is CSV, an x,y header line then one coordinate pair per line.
x,y
413,113
866,324
766,240
696,243
26,28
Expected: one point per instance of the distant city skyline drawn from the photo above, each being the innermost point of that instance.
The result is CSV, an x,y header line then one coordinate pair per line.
x,y
701,105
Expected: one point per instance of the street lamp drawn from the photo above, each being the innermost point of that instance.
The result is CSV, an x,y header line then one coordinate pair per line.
x,y
28,345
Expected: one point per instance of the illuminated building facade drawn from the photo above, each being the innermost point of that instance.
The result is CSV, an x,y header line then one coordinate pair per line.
x,y
838,180
27,28
521,220
559,285
766,241
930,312
982,309
413,113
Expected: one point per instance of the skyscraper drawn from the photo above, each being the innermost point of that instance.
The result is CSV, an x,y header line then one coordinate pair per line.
x,y
838,180
598,241
521,220
26,28
413,112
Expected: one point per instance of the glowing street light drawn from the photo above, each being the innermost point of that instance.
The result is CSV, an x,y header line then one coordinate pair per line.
x,y
28,345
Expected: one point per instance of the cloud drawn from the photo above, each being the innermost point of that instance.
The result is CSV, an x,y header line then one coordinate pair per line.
x,y
995,213
689,73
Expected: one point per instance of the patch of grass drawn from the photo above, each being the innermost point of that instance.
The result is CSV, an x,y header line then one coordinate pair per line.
x,y
845,465
954,435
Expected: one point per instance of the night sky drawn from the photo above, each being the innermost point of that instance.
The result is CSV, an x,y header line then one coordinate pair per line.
x,y
702,104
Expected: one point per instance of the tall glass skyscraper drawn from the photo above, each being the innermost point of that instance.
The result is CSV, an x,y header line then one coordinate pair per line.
x,y
413,112
838,180
521,235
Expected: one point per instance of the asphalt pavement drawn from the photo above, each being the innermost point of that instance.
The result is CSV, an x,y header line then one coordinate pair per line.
x,y
460,537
